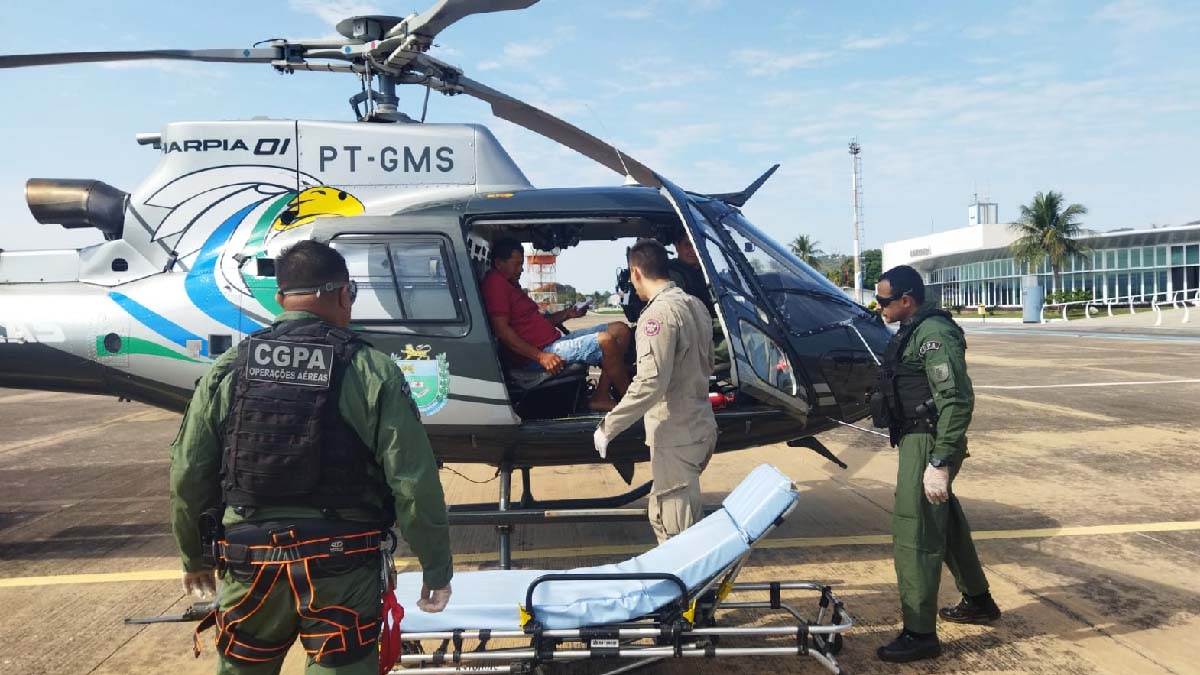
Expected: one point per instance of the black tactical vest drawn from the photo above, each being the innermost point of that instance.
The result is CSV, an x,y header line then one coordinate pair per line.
x,y
905,387
693,284
286,443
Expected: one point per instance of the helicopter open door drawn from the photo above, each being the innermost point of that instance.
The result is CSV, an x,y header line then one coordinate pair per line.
x,y
760,363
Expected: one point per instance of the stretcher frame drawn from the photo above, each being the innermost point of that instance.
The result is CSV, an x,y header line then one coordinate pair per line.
x,y
684,628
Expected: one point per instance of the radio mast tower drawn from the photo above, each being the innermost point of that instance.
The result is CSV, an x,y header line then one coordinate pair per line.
x,y
543,267
856,203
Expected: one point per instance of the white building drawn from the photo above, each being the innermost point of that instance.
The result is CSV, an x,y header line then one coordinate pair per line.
x,y
973,265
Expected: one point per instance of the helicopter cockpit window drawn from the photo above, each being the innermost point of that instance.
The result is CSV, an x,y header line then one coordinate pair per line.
x,y
804,298
768,361
406,279
731,280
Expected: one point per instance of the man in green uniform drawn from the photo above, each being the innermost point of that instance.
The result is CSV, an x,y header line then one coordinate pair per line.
x,y
685,270
304,444
925,400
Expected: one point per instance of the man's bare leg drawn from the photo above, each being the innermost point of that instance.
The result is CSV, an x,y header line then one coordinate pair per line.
x,y
613,343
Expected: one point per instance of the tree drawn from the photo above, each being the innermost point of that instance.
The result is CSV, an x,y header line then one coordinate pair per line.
x,y
872,266
1050,231
806,249
871,261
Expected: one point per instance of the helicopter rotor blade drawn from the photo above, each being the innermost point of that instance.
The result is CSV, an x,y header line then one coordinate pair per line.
x,y
541,122
446,12
266,55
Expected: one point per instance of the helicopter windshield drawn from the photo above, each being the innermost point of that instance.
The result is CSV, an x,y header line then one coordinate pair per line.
x,y
806,300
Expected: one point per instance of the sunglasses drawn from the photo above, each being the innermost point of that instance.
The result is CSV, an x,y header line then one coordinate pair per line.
x,y
351,286
884,301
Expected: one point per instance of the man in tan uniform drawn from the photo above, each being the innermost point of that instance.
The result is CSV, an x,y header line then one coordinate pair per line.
x,y
674,360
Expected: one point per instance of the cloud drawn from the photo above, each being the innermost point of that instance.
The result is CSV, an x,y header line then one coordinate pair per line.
x,y
523,54
1135,15
636,13
663,107
766,63
1021,21
649,9
333,11
876,42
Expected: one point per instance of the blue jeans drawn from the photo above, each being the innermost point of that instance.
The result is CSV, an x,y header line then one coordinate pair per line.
x,y
581,346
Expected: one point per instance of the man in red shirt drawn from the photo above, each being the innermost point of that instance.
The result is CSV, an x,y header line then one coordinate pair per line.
x,y
532,341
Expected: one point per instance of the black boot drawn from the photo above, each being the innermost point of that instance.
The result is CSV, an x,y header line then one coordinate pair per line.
x,y
972,609
910,647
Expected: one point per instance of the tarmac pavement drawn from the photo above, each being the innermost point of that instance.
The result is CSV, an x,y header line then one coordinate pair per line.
x,y
1083,489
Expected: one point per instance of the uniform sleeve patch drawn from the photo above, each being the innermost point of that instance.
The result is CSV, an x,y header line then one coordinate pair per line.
x,y
930,346
651,328
941,372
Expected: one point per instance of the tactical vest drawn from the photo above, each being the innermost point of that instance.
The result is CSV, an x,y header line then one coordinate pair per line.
x,y
694,284
286,443
906,387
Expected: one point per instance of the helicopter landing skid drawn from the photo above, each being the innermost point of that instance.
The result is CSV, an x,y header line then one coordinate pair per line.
x,y
506,514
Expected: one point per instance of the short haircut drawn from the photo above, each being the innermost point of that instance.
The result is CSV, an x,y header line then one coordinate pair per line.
x,y
504,247
905,280
650,257
309,264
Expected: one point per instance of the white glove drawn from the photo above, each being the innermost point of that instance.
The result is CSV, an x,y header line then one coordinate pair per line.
x,y
433,601
937,484
202,584
601,442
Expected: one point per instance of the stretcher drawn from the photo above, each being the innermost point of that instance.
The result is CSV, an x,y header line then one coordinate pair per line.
x,y
673,601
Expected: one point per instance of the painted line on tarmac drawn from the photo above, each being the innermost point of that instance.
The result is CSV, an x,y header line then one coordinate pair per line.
x,y
582,552
16,447
1083,384
1044,407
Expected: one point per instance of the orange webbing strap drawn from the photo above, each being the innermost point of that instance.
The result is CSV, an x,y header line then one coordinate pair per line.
x,y
242,646
345,640
343,644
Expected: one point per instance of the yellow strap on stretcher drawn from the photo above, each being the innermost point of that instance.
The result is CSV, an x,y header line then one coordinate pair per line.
x,y
690,614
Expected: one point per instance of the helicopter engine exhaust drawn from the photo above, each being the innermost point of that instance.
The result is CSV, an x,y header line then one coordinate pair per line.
x,y
74,203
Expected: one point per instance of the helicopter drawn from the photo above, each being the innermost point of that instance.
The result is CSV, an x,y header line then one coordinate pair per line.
x,y
186,268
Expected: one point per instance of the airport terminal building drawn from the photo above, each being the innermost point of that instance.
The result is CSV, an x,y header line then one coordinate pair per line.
x,y
974,266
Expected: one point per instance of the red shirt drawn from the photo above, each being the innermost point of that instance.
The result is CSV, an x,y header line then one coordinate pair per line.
x,y
502,298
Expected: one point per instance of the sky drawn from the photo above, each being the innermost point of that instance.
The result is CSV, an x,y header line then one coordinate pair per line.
x,y
1096,100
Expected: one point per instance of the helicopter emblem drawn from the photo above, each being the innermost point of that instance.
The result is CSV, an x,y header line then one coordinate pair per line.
x,y
428,379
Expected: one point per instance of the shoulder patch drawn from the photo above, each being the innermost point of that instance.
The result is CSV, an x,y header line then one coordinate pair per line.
x,y
651,327
930,346
941,372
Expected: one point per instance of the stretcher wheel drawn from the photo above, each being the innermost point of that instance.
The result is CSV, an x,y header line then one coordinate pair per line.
x,y
411,647
834,646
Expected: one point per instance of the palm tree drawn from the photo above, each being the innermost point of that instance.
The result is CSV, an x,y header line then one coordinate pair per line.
x,y
806,249
1049,231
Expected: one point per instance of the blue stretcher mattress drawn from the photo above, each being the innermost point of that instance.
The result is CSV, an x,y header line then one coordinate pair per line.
x,y
490,599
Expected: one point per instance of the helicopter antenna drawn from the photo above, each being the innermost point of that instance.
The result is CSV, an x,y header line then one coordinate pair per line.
x,y
425,105
629,179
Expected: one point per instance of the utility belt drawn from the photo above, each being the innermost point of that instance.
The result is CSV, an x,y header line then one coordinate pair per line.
x,y
922,421
294,553
329,547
